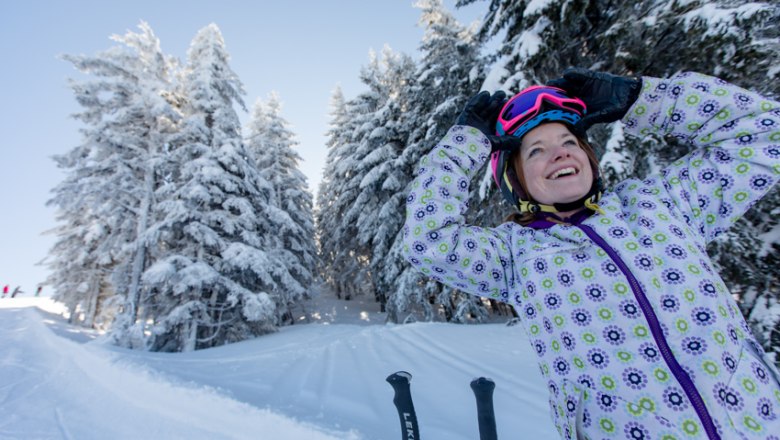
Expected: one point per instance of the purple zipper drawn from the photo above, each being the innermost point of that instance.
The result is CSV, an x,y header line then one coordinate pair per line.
x,y
655,328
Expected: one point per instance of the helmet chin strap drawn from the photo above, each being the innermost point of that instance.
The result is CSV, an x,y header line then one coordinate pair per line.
x,y
589,201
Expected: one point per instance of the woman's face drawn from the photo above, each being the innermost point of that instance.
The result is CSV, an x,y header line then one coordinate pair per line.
x,y
555,168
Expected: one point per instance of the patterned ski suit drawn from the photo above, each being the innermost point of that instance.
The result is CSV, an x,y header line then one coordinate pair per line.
x,y
636,334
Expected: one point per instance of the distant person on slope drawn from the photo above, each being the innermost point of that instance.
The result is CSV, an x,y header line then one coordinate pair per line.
x,y
17,291
636,334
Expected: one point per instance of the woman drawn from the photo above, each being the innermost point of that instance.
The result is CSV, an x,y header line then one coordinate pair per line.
x,y
636,335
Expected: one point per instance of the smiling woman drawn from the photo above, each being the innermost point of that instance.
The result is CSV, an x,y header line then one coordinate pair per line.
x,y
553,169
636,334
554,166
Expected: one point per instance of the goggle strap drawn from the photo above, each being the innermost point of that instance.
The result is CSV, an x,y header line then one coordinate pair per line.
x,y
507,188
591,203
511,189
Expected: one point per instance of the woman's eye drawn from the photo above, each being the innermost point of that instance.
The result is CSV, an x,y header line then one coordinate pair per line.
x,y
533,152
570,143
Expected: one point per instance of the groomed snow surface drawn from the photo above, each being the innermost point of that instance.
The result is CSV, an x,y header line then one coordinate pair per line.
x,y
319,380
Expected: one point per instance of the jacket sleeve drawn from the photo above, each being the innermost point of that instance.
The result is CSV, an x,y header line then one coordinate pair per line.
x,y
735,134
436,240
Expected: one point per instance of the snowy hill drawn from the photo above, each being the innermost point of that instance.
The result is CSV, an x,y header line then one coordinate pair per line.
x,y
324,380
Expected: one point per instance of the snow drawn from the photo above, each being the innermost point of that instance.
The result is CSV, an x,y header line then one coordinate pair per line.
x,y
494,79
537,7
530,41
718,20
321,380
612,158
770,238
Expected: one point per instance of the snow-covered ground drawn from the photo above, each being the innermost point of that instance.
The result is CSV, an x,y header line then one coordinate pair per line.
x,y
322,380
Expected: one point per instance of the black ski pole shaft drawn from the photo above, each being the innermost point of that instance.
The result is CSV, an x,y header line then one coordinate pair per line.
x,y
403,403
483,391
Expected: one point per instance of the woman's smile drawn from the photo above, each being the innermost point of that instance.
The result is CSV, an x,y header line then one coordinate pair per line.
x,y
563,173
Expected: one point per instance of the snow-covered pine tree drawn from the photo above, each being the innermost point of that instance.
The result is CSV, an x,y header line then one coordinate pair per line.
x,y
75,261
328,194
345,260
108,195
210,283
271,144
378,210
449,72
79,264
733,40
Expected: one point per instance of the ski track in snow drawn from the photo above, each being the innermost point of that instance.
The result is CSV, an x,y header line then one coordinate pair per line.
x,y
310,381
88,392
61,424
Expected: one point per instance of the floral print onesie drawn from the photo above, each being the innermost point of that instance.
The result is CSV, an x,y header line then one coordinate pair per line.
x,y
636,334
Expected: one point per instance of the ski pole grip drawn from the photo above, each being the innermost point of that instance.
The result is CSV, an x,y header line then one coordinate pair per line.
x,y
483,391
403,403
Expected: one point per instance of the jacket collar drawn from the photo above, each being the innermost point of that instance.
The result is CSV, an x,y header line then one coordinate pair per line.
x,y
545,220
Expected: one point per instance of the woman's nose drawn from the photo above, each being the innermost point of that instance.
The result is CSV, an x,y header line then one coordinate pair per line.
x,y
560,152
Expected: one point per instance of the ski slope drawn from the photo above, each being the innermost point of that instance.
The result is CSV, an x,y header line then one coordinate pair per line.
x,y
323,380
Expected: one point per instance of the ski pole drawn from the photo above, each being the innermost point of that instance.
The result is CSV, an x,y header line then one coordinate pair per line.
x,y
483,391
403,403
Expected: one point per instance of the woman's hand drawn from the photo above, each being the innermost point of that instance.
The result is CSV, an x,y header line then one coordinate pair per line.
x,y
481,112
608,97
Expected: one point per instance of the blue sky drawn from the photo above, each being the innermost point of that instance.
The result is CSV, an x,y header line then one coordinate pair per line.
x,y
302,50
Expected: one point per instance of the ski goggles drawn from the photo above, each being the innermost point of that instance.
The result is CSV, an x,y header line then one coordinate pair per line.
x,y
533,101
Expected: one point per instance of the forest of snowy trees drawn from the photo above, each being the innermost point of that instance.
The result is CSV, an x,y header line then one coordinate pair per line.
x,y
179,230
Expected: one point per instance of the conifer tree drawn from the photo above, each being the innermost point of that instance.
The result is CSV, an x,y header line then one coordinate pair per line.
x,y
108,195
345,259
79,264
334,174
210,284
379,207
450,71
291,222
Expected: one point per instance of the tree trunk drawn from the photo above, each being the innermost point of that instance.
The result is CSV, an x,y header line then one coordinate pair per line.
x,y
190,332
139,259
92,299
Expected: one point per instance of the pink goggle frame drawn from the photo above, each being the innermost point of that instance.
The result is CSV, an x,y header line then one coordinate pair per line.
x,y
531,102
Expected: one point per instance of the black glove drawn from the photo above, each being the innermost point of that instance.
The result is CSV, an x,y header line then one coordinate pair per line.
x,y
481,112
607,96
